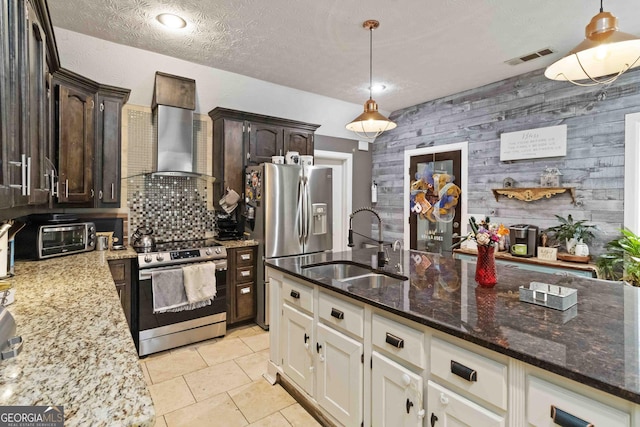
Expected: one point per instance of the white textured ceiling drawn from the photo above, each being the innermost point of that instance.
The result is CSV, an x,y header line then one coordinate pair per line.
x,y
423,49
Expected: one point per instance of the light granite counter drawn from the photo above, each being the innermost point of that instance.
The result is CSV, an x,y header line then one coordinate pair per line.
x,y
77,350
230,244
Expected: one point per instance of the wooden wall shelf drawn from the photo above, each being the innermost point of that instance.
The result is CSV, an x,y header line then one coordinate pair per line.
x,y
529,194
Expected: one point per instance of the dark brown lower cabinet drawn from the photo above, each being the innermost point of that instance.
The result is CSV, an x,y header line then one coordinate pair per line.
x,y
121,272
241,273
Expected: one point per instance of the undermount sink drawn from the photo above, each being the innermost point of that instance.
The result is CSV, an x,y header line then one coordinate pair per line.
x,y
337,270
357,276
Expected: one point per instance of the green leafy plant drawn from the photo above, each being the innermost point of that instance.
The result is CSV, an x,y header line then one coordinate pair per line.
x,y
622,259
570,229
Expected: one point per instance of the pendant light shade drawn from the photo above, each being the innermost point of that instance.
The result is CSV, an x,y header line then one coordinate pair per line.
x,y
370,123
602,56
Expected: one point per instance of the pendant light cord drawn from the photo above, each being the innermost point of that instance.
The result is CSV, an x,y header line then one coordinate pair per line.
x,y
601,9
371,62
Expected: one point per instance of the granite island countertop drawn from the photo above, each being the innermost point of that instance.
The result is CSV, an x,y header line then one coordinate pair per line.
x,y
77,350
590,343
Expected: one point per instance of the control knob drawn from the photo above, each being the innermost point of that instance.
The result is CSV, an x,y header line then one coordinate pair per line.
x,y
159,257
147,258
218,251
207,251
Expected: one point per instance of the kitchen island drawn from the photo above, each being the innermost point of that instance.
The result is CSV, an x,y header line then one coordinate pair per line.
x,y
459,349
77,349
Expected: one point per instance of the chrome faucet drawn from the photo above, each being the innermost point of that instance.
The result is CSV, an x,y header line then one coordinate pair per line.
x,y
397,245
381,258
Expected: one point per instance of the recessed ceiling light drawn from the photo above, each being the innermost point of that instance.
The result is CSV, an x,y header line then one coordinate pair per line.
x,y
172,21
378,87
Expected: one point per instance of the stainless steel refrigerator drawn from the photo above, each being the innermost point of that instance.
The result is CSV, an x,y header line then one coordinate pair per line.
x,y
291,207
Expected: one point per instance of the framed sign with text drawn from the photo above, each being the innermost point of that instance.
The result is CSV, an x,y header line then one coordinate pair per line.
x,y
534,143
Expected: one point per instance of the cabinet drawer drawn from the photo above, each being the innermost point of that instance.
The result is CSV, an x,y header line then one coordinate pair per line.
x,y
398,339
480,376
545,399
245,301
244,274
451,409
297,295
244,256
341,314
118,271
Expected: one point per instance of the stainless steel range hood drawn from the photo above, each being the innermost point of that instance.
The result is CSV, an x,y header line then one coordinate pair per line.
x,y
174,151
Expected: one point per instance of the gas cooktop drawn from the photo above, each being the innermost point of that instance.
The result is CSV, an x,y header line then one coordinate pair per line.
x,y
179,252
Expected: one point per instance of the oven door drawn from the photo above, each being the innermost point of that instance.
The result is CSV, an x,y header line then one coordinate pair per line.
x,y
171,330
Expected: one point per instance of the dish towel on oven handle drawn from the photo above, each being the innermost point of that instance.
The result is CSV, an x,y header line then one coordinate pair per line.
x,y
169,292
200,282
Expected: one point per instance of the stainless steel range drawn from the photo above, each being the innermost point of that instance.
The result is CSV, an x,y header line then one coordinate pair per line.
x,y
165,330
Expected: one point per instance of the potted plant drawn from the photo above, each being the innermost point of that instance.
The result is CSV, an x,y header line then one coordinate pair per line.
x,y
572,232
622,259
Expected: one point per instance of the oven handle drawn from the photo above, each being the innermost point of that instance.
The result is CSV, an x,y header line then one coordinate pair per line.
x,y
145,274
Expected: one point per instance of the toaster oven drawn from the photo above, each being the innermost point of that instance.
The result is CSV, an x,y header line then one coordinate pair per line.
x,y
42,241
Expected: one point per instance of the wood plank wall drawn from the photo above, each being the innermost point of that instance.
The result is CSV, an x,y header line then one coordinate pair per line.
x,y
594,163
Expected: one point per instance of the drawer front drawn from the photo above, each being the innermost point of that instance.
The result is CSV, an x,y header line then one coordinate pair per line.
x,y
245,274
480,376
399,340
244,256
297,295
245,301
542,396
118,271
341,314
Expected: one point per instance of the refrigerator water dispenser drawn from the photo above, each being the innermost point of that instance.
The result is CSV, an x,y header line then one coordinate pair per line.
x,y
319,211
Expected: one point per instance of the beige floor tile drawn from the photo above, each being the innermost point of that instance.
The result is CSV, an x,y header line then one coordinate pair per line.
x,y
194,346
242,331
145,373
160,422
259,399
154,356
254,364
298,416
216,379
174,365
258,329
170,395
257,342
273,420
218,410
223,350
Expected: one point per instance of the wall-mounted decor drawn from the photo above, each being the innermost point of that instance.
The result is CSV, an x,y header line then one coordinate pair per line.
x,y
434,196
534,143
551,177
529,194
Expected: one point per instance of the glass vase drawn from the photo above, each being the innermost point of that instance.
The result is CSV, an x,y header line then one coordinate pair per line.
x,y
486,275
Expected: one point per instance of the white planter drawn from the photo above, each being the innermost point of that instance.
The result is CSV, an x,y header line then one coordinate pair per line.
x,y
571,245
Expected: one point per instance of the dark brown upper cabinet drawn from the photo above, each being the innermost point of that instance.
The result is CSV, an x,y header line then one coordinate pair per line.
x,y
299,140
265,140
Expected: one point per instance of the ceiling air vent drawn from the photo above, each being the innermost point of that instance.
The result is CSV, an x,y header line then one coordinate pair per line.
x,y
529,56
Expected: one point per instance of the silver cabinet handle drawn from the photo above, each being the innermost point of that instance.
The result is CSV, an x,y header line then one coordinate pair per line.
x,y
92,193
113,191
100,194
66,188
245,273
54,184
23,169
245,290
245,257
28,176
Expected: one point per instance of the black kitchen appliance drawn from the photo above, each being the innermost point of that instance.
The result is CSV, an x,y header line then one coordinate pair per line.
x,y
524,234
227,226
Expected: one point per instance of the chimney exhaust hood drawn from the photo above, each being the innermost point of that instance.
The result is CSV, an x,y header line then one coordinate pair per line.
x,y
174,151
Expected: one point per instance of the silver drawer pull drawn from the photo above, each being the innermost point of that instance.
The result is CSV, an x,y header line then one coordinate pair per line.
x,y
565,419
245,257
245,290
245,273
394,340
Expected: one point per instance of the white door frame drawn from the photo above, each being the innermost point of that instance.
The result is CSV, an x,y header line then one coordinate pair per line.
x,y
631,173
347,183
463,147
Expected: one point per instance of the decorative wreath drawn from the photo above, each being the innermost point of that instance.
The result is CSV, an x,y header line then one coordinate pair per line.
x,y
434,196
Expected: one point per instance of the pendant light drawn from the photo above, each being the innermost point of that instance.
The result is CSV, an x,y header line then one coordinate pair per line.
x,y
370,123
605,52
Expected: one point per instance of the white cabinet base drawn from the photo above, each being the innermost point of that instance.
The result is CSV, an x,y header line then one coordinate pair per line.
x,y
448,409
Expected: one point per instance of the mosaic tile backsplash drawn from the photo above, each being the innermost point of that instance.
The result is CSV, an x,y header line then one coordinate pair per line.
x,y
174,207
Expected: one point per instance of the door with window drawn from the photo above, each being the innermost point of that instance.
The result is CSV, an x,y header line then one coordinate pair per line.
x,y
435,196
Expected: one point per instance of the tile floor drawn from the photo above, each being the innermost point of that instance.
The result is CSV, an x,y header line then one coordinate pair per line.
x,y
219,383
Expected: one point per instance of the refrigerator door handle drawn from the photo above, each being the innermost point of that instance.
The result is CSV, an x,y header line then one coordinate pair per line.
x,y
307,209
300,211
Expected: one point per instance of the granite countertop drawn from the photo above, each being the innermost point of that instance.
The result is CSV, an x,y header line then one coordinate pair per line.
x,y
77,350
230,244
591,343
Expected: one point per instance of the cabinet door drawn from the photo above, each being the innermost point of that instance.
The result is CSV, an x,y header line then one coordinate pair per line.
x,y
228,156
339,375
264,141
296,340
298,140
108,146
396,394
75,137
6,197
37,125
121,273
448,409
